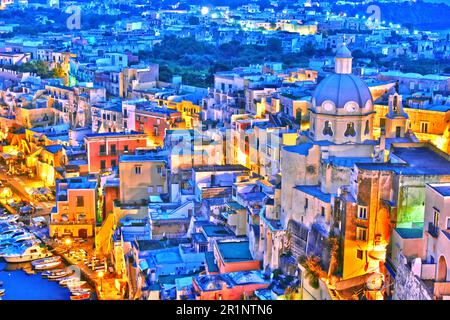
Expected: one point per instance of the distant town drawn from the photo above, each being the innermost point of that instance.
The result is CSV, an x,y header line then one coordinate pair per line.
x,y
224,150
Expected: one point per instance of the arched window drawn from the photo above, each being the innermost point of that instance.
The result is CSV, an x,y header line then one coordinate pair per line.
x,y
394,104
350,132
367,129
327,129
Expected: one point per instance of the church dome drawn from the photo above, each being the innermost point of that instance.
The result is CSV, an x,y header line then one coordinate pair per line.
x,y
341,89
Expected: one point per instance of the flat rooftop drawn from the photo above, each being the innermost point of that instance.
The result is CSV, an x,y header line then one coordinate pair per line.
x,y
213,230
443,189
234,251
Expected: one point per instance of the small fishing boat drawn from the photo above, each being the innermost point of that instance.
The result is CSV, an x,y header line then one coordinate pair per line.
x,y
48,265
2,292
60,274
80,296
75,284
46,260
65,280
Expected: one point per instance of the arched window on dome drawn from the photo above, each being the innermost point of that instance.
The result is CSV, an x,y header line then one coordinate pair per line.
x,y
367,129
350,132
327,129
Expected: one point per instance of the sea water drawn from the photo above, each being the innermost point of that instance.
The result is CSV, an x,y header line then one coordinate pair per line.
x,y
21,286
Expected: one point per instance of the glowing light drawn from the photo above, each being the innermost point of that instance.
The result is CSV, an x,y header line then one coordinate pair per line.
x,y
214,15
204,11
68,242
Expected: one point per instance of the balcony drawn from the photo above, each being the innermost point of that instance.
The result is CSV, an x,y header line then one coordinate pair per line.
x,y
433,230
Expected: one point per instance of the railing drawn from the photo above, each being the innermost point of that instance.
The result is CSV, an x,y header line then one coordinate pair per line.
x,y
433,230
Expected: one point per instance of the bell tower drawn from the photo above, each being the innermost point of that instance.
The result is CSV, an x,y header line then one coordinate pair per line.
x,y
396,118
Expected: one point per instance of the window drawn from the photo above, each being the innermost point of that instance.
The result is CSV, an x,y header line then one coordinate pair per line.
x,y
114,117
359,254
447,224
137,170
159,189
103,164
367,129
159,169
113,149
350,132
102,149
362,212
327,131
125,125
306,203
361,234
150,189
113,163
323,212
436,218
424,127
158,121
80,201
125,148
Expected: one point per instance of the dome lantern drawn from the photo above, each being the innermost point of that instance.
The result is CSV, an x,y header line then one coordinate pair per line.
x,y
343,60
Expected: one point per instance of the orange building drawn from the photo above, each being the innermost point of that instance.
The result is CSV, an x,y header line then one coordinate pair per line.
x,y
76,208
103,149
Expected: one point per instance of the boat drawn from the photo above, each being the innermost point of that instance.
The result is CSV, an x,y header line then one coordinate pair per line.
x,y
47,265
60,274
66,280
46,260
80,296
17,238
75,284
2,292
31,253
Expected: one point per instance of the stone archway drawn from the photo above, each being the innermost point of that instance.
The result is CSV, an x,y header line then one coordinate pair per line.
x,y
441,270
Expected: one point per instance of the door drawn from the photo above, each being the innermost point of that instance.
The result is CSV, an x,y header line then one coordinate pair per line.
x,y
82,233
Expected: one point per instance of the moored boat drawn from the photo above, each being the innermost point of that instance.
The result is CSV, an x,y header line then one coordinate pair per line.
x,y
2,292
46,260
80,296
48,265
72,285
66,280
58,275
31,253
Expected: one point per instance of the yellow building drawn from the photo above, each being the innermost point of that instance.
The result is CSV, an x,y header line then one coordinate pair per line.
x,y
428,123
76,208
142,176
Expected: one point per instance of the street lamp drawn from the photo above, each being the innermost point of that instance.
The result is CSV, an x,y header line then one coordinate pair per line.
x,y
100,275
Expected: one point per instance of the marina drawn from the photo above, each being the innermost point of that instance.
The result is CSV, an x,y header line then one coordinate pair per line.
x,y
32,270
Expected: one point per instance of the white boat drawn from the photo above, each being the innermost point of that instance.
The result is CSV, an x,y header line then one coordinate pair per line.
x,y
9,232
9,218
31,253
60,274
47,265
66,280
18,237
76,284
46,260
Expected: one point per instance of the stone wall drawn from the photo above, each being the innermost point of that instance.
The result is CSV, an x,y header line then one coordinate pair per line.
x,y
407,285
